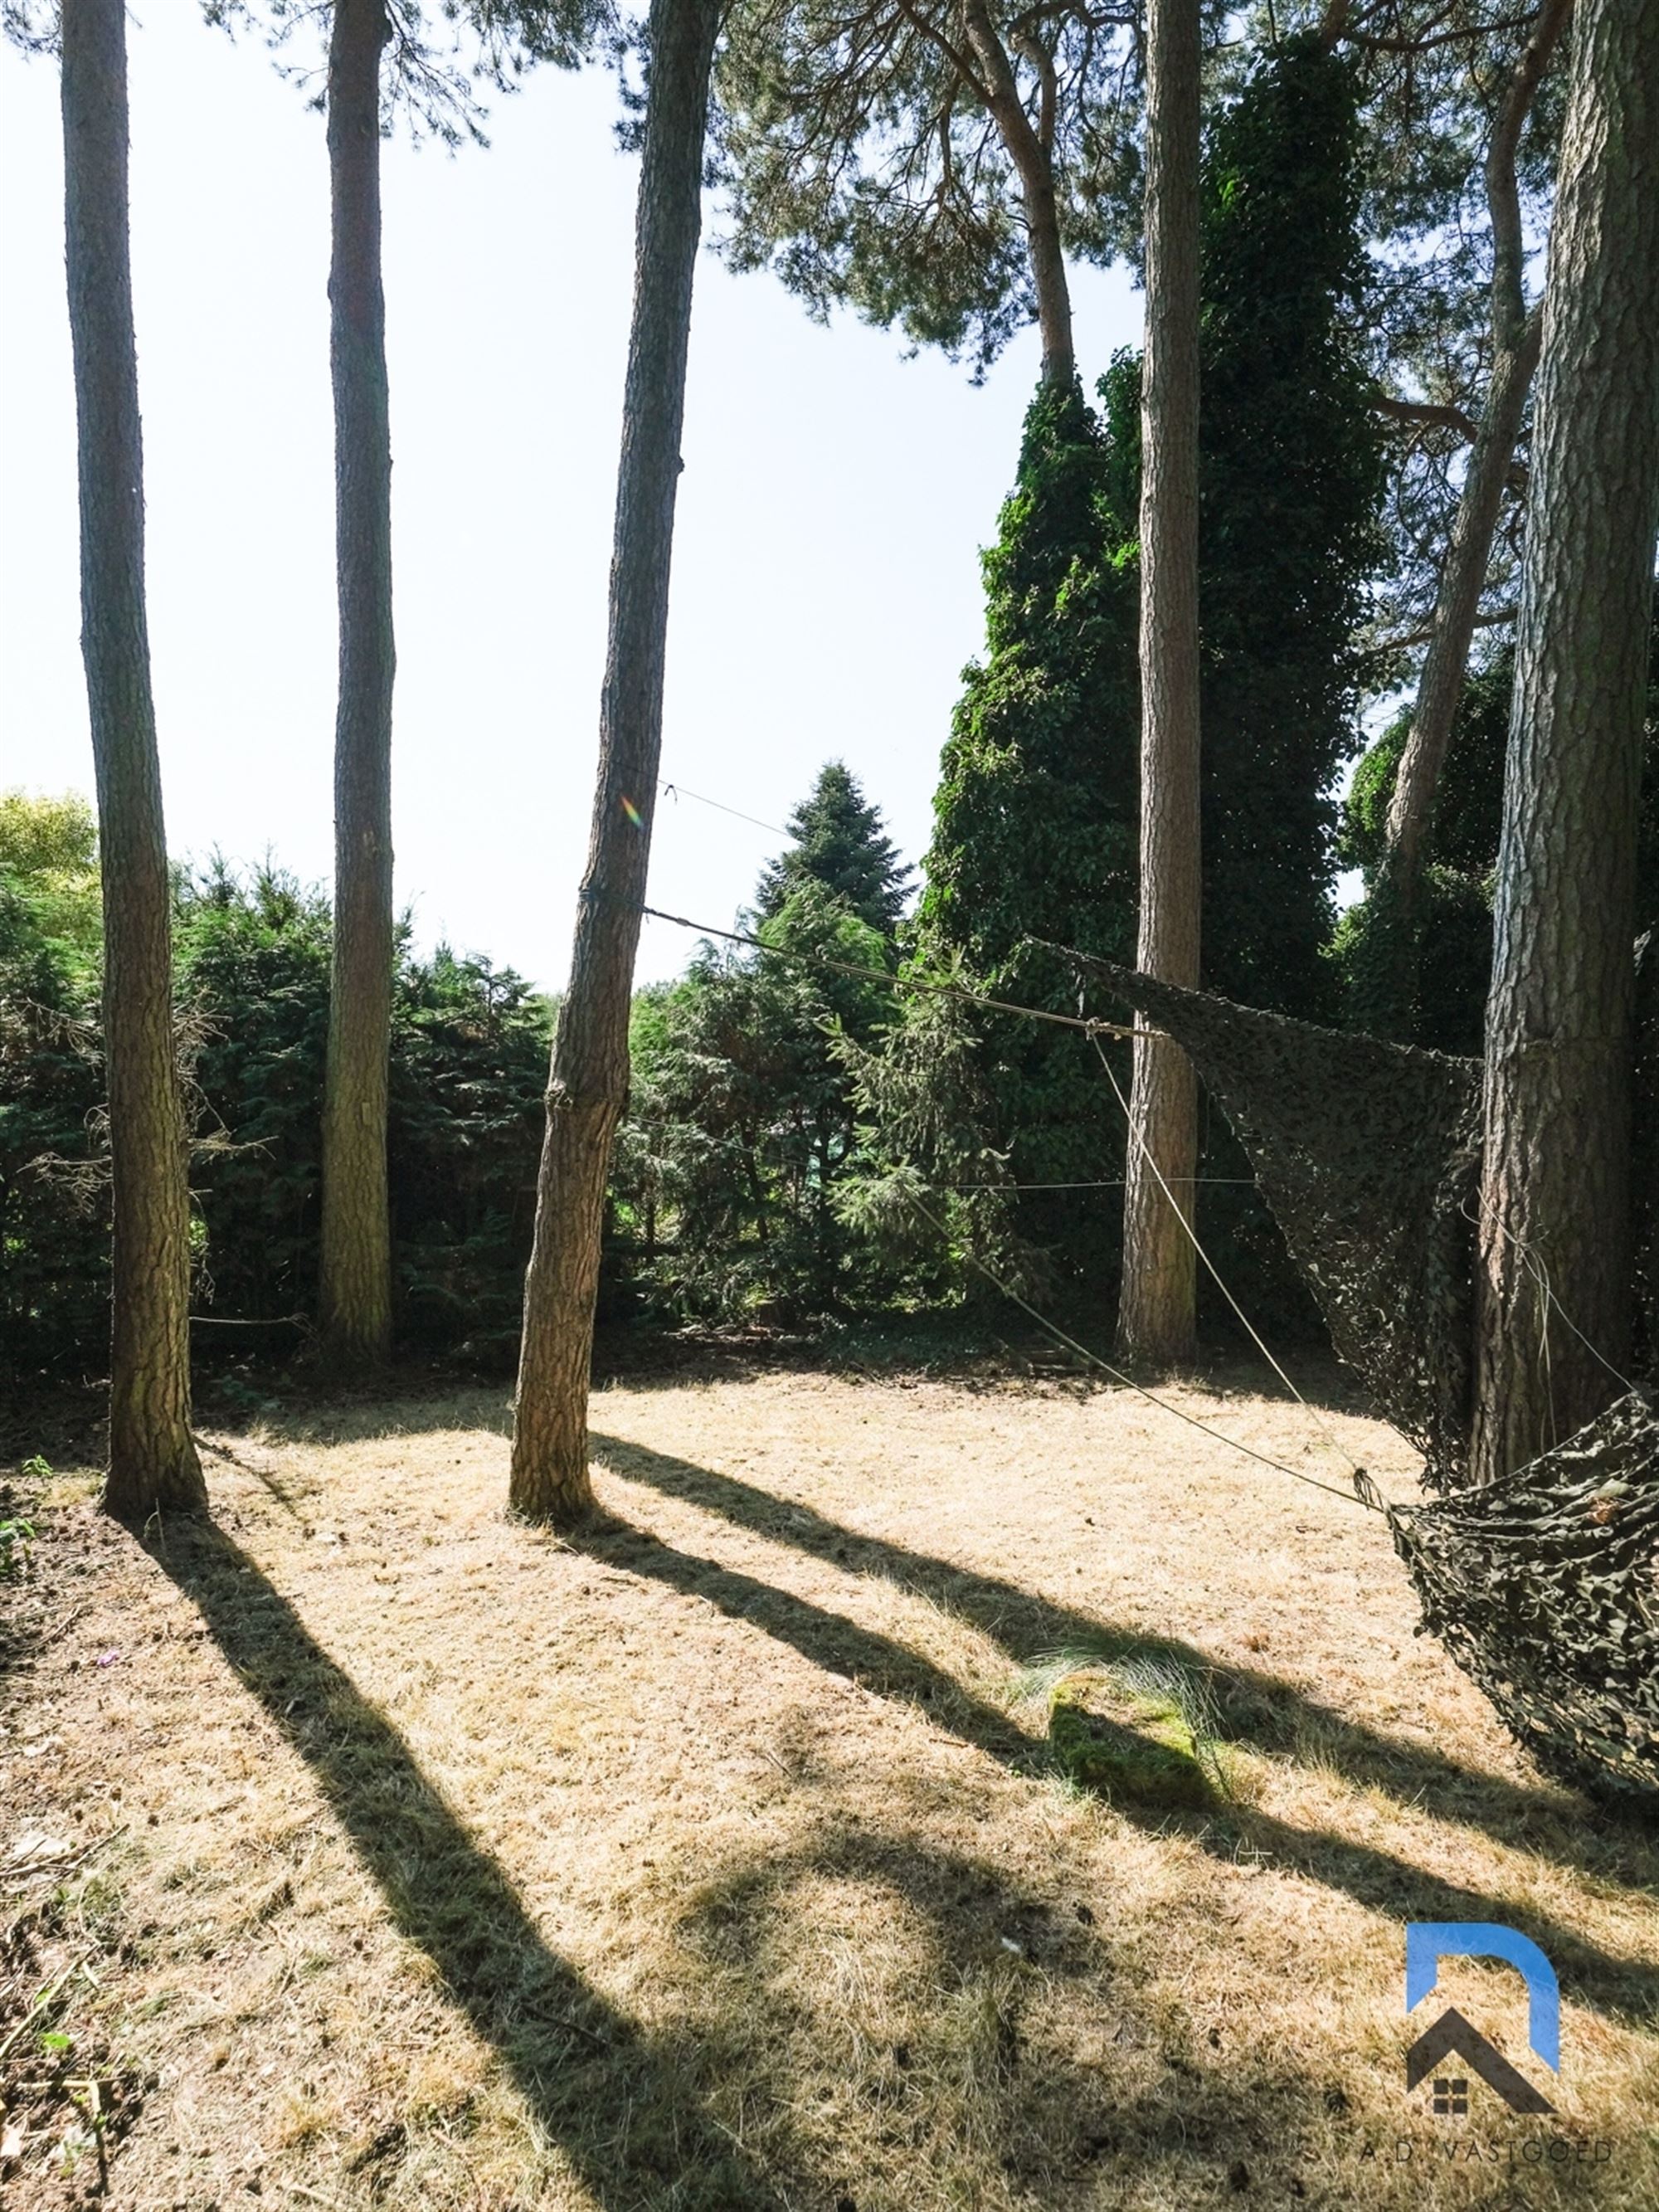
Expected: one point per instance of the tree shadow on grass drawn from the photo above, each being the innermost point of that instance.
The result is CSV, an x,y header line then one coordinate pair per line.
x,y
626,2114
1109,2091
1255,1708
1620,1987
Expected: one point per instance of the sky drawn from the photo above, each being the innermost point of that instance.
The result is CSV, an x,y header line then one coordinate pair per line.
x,y
826,583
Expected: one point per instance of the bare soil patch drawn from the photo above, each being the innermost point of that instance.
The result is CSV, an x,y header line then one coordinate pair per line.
x,y
387,1853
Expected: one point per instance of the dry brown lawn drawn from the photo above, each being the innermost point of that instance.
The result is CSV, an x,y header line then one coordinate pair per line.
x,y
716,1861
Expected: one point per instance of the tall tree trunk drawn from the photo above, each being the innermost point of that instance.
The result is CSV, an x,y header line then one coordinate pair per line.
x,y
1556,1199
152,1467
588,1084
1030,148
355,1292
1516,337
1155,1319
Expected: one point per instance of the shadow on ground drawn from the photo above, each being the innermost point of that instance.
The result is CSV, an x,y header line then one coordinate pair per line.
x,y
626,2114
1260,1710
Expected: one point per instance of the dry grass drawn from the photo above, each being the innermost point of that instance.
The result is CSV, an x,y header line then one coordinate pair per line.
x,y
716,1863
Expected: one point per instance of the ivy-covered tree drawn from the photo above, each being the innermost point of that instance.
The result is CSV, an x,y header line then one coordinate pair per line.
x,y
1036,821
1035,818
839,843
1290,479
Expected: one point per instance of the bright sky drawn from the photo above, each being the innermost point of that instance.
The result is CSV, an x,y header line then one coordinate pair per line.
x,y
826,579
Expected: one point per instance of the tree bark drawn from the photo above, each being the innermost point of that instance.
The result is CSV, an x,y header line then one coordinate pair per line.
x,y
588,1084
152,1467
1556,1200
355,1290
1156,1318
1516,337
1030,148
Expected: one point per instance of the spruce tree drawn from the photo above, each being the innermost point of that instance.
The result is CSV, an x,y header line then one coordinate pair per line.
x,y
841,843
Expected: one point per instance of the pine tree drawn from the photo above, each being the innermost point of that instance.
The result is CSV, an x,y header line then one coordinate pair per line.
x,y
153,1465
1554,1287
839,843
587,1085
355,1287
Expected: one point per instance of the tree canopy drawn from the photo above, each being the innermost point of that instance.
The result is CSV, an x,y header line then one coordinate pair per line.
x,y
840,843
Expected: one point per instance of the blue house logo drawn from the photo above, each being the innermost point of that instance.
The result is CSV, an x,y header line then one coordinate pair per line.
x,y
1452,2038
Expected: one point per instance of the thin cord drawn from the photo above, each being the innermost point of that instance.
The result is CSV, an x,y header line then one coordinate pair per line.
x,y
1366,1497
1108,1182
1371,1503
1319,1421
679,791
1539,1273
1089,1026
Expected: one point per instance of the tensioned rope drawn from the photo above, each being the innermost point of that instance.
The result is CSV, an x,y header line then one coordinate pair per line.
x,y
1312,1412
1363,1493
1367,1497
679,791
892,982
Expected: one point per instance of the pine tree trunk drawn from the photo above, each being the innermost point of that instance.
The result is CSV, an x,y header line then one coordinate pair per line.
x,y
1462,580
1516,337
152,1467
1556,1199
588,1085
355,1290
1030,148
1156,1318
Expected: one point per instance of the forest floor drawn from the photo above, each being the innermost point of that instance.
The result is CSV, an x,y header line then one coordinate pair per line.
x,y
369,1850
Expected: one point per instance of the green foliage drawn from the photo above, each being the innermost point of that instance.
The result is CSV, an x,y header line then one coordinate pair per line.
x,y
859,160
839,843
1290,478
470,1048
1034,820
251,962
54,1194
1037,815
741,1122
48,851
15,1537
468,1054
1455,899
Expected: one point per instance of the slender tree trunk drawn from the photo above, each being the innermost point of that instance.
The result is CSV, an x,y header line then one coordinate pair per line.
x,y
1030,148
356,1286
1556,1199
588,1084
152,1467
1516,336
1462,580
1155,1319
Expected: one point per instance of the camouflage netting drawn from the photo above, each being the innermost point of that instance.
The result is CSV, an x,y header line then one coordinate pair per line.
x,y
1369,1154
1645,1164
1543,1587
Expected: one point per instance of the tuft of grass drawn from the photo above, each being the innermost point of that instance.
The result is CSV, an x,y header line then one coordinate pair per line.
x,y
1172,1705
